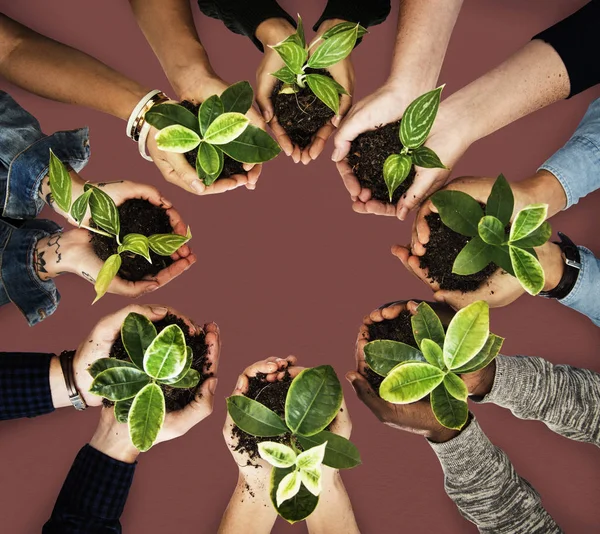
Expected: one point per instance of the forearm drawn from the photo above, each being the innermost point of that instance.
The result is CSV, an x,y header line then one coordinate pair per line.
x,y
58,72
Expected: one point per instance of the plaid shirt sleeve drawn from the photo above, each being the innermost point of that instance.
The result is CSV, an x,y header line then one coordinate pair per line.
x,y
93,496
24,385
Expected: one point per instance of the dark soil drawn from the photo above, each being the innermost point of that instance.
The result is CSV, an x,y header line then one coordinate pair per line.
x,y
137,217
443,247
301,114
230,166
368,153
175,398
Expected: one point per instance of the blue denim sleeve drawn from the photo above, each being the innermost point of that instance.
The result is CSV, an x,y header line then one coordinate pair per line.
x,y
577,164
25,154
19,282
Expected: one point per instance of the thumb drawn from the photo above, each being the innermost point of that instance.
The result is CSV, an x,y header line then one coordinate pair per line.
x,y
365,393
202,405
348,130
263,98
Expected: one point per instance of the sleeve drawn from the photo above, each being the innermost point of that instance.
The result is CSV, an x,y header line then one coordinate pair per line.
x,y
364,12
480,479
577,42
244,16
25,154
24,385
93,495
565,398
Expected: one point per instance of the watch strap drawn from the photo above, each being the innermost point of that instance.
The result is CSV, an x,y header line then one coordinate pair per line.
x,y
66,364
572,259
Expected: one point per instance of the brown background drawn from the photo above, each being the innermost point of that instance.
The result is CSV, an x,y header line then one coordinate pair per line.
x,y
290,269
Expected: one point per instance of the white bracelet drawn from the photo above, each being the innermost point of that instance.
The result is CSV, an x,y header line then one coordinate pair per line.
x,y
142,141
137,110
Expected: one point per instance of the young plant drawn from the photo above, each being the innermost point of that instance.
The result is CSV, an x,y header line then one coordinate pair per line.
x,y
339,42
105,215
312,402
432,369
134,384
221,127
415,126
513,250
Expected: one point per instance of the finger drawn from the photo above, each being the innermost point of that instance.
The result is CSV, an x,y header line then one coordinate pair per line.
x,y
179,228
241,386
253,175
223,185
391,312
296,154
126,288
200,408
366,394
359,207
281,136
256,118
174,270
264,90
180,173
147,192
349,179
365,194
423,183
321,137
422,230
349,129
265,366
212,340
380,208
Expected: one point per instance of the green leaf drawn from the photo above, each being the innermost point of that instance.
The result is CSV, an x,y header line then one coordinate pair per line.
x,y
163,115
225,128
529,219
298,507
136,243
501,257
382,355
119,383
343,27
121,410
475,256
137,333
340,452
326,90
104,210
419,118
528,270
456,387
311,458
396,169
210,109
254,418
189,381
293,55
288,487
285,75
105,276
501,201
427,325
211,159
491,230
426,158
60,183
489,351
238,97
467,333
433,353
252,146
450,412
289,89
189,358
334,49
459,212
106,363
536,238
311,478
313,400
177,139
410,382
80,206
277,454
146,416
167,244
300,31
166,356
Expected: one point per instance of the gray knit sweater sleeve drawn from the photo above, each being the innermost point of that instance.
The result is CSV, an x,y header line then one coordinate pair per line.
x,y
566,399
480,479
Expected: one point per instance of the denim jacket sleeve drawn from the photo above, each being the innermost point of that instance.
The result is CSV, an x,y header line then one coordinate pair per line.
x,y
25,155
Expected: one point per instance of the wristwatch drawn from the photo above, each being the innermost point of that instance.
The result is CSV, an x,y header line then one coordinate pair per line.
x,y
66,364
570,254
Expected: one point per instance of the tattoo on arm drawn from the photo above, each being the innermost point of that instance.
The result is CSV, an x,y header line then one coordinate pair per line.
x,y
39,262
54,241
88,277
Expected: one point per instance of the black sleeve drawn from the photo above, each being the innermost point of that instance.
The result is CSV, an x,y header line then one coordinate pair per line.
x,y
577,41
365,12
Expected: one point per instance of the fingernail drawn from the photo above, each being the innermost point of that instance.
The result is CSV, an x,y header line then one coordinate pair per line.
x,y
267,116
240,382
197,187
159,310
165,203
351,377
402,214
212,387
336,155
273,366
287,151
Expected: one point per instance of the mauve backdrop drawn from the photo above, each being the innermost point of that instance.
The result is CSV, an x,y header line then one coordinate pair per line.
x,y
291,269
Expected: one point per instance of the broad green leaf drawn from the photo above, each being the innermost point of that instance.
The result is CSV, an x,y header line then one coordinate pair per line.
x,y
491,230
313,400
311,478
80,206
501,201
238,97
410,382
433,353
426,158
293,55
177,139
121,410
298,507
254,418
277,454
189,358
106,363
225,128
119,383
312,457
136,243
210,109
456,387
166,356
427,325
288,487
467,333
396,169
343,27
189,381
210,158
137,333
459,212
475,256
300,31
528,270
167,244
252,146
501,257
146,416
450,412
163,115
536,238
104,210
105,276
340,452
382,355
530,218
285,75
419,117
489,351
60,183
325,89
334,49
